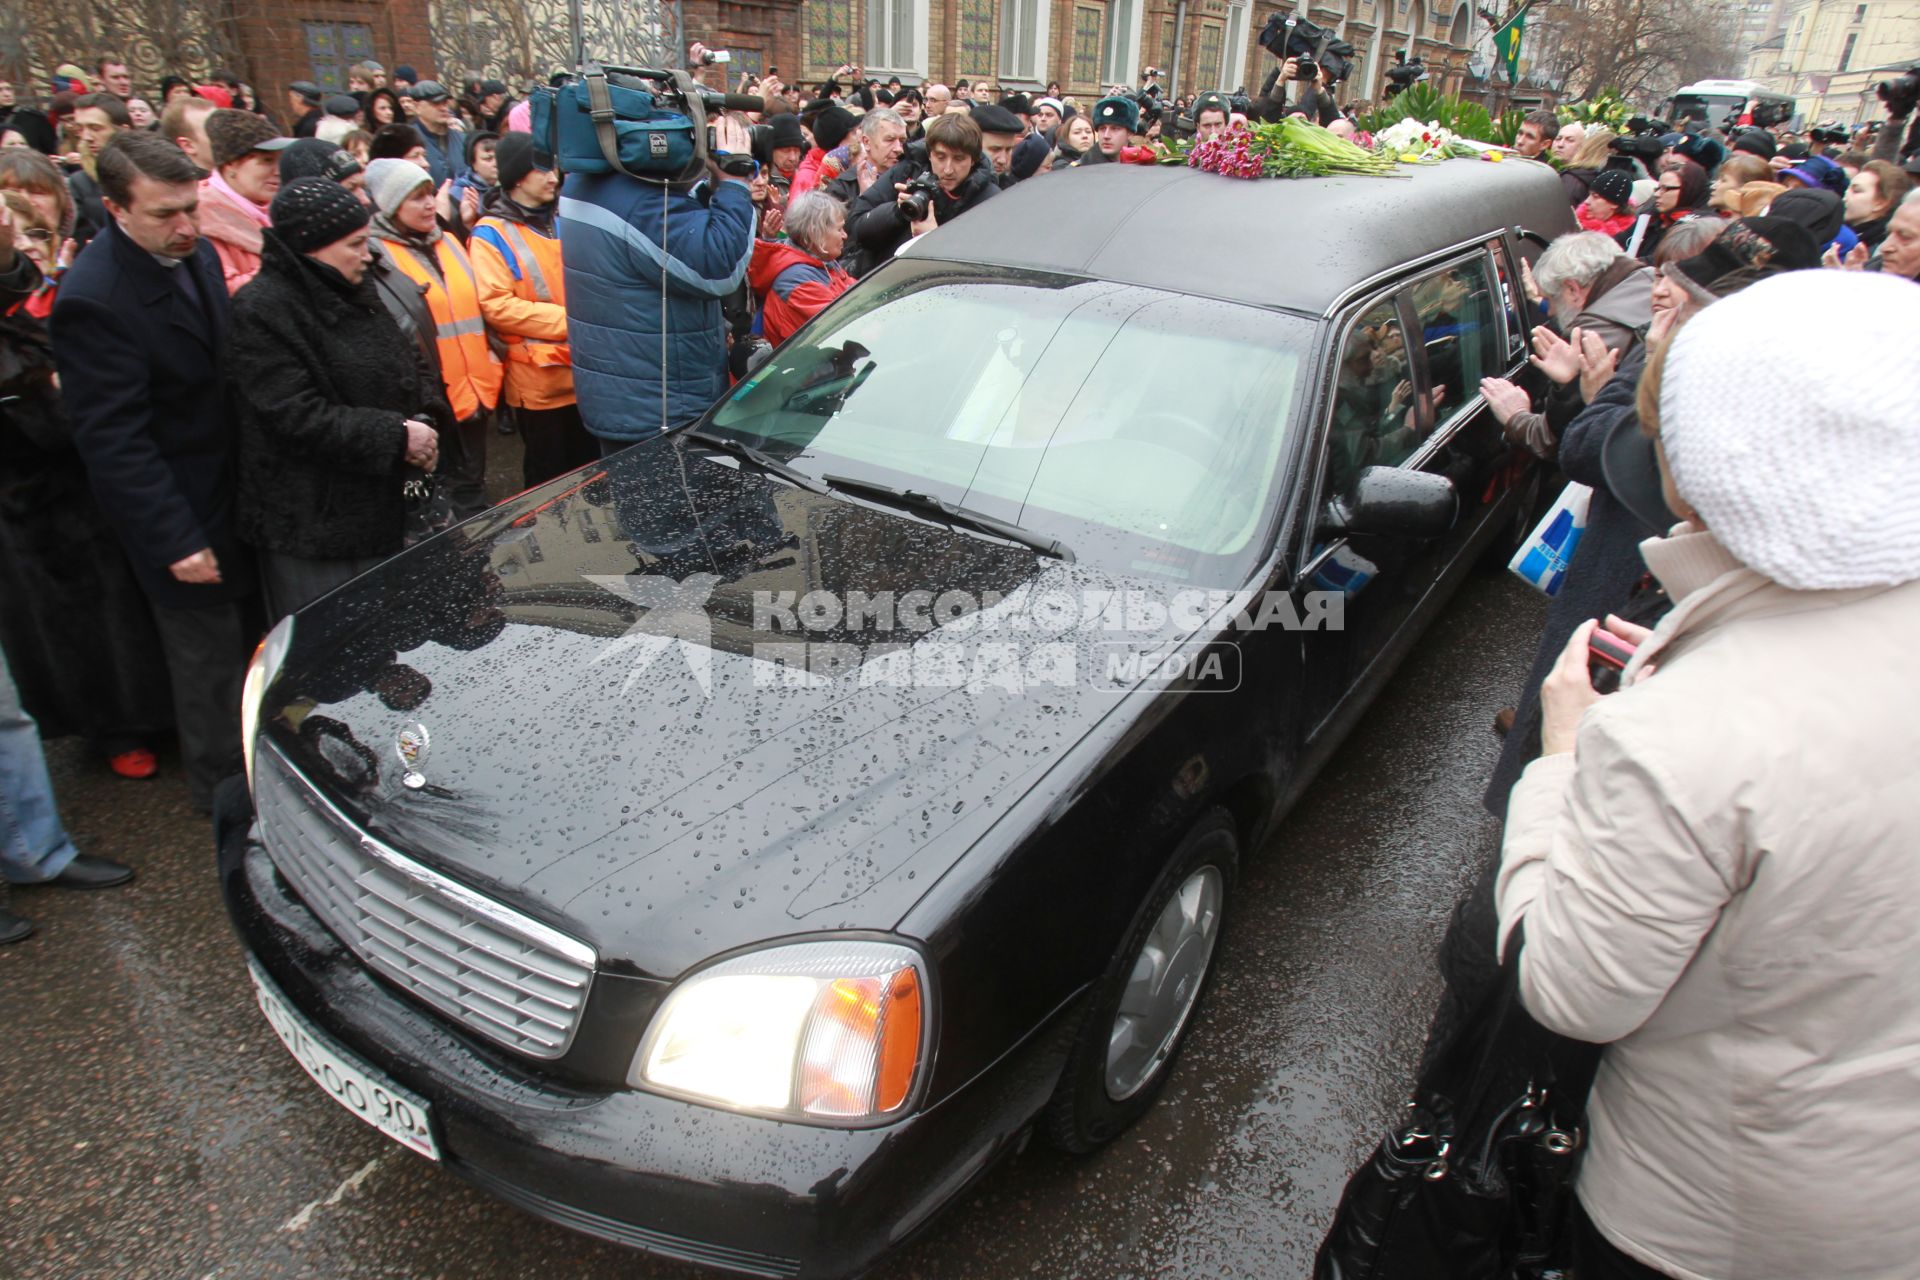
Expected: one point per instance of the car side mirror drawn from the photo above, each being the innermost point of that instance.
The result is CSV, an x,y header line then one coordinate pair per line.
x,y
1394,503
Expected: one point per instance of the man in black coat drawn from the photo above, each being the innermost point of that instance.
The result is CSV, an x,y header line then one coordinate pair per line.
x,y
878,223
139,331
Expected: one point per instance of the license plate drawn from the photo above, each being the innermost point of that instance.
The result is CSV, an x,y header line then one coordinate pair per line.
x,y
401,1115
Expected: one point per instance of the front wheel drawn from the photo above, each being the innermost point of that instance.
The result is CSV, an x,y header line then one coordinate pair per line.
x,y
1142,1008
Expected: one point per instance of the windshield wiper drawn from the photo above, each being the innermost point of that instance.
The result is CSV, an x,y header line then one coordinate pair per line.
x,y
927,504
765,461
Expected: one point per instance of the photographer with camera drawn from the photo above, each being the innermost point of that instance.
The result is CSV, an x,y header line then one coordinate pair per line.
x,y
1309,99
1897,138
647,264
941,178
1310,57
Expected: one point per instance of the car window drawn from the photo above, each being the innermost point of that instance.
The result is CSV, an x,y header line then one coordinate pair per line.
x,y
1373,422
1460,331
1140,427
1511,299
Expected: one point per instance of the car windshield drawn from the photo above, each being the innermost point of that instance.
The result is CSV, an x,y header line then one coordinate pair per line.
x,y
1142,429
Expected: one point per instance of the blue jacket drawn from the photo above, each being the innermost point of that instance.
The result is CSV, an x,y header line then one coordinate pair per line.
x,y
444,159
611,232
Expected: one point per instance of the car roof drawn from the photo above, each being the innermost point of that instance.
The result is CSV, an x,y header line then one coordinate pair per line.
x,y
1296,244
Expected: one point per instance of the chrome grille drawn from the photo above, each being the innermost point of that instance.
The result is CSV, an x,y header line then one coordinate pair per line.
x,y
500,973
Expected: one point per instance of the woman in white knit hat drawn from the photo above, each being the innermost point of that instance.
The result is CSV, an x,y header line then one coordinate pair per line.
x,y
1719,868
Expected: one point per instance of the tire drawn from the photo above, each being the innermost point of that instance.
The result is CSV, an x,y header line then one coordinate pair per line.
x,y
1114,1073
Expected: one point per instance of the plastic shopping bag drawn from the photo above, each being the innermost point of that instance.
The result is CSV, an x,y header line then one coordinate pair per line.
x,y
1543,558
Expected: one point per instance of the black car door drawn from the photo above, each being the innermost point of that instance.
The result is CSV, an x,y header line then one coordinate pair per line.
x,y
1405,394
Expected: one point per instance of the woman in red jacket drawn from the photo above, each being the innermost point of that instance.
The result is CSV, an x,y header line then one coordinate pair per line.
x,y
796,280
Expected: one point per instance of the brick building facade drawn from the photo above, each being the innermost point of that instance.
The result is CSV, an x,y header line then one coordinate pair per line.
x,y
281,42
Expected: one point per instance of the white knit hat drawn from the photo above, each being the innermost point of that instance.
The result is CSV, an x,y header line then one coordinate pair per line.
x,y
1803,459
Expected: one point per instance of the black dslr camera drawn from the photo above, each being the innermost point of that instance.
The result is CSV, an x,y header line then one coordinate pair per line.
x,y
918,197
1641,141
1902,93
1830,134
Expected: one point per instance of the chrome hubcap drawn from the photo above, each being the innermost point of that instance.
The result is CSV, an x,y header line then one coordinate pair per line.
x,y
1167,974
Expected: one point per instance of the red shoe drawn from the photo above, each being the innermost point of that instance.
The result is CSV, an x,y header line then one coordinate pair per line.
x,y
137,764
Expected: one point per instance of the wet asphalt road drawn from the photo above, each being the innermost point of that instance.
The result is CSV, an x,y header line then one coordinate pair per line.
x,y
151,1126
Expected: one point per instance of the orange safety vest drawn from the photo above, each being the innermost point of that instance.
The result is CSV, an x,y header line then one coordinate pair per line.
x,y
538,274
468,367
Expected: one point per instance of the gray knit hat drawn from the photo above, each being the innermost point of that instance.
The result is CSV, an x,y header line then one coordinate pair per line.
x,y
390,182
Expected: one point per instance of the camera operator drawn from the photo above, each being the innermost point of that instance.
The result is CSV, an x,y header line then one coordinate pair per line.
x,y
940,179
647,264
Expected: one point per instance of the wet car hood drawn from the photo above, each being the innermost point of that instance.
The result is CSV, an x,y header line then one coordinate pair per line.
x,y
626,736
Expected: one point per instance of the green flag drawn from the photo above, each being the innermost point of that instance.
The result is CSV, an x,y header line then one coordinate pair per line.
x,y
1506,42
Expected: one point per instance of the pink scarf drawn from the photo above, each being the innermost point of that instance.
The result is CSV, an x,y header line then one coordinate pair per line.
x,y
258,212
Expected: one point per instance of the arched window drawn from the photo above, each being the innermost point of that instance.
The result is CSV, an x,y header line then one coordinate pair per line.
x,y
1462,33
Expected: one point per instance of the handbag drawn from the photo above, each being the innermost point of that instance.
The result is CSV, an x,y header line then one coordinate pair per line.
x,y
1476,1180
428,509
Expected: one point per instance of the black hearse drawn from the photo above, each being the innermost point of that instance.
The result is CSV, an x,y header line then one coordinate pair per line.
x,y
732,848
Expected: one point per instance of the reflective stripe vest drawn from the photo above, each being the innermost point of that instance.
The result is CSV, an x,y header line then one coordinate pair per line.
x,y
468,367
523,294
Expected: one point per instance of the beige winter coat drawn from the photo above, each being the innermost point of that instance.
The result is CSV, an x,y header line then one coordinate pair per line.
x,y
1723,881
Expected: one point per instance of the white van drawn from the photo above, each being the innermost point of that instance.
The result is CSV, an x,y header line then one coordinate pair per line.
x,y
1729,104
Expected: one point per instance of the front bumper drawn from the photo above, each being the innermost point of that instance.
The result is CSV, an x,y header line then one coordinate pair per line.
x,y
746,1194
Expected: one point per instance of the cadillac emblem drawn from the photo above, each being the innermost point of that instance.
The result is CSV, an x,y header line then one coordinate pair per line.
x,y
410,744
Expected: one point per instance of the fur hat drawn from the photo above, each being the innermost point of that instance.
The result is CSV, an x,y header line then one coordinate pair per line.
x,y
233,134
1117,110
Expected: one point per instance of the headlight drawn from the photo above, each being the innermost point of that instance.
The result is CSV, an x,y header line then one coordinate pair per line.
x,y
822,1032
260,673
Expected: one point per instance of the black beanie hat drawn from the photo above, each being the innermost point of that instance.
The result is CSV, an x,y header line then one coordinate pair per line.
x,y
475,139
314,158
514,153
1755,142
312,213
832,126
1614,186
784,131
